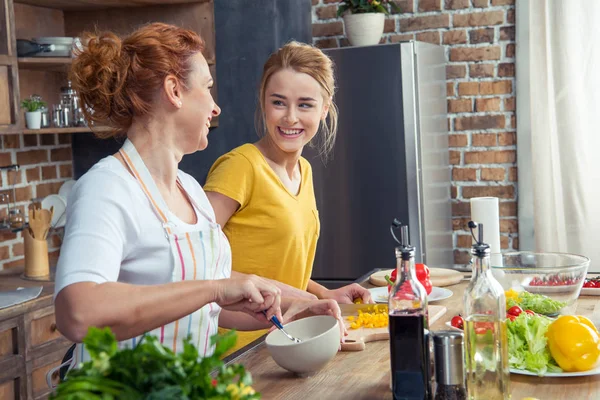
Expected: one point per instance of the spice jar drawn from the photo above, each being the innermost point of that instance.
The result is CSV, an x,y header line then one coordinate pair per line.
x,y
15,218
449,370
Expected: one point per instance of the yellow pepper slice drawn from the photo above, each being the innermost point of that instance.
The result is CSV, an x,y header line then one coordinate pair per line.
x,y
574,343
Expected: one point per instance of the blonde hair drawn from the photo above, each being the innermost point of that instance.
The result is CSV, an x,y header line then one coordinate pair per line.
x,y
309,60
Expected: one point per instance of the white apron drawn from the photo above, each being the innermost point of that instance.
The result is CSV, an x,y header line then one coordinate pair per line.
x,y
198,254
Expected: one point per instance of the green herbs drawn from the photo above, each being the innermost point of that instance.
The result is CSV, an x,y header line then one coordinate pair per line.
x,y
367,6
537,303
527,344
151,371
32,104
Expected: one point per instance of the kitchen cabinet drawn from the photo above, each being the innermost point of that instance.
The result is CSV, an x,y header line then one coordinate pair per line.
x,y
30,343
27,19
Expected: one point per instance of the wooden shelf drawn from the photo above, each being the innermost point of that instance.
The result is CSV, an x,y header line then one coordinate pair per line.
x,y
75,129
59,64
87,5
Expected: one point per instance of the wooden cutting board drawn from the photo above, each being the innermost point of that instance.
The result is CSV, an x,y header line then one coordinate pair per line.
x,y
439,277
357,338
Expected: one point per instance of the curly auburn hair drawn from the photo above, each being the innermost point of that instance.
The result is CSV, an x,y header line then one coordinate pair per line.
x,y
117,79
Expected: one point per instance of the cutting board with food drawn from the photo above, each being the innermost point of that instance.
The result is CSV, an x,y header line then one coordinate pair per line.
x,y
357,338
439,277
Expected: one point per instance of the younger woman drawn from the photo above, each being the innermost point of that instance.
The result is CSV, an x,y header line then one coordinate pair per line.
x,y
262,193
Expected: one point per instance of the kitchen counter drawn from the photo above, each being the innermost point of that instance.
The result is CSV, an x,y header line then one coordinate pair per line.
x,y
365,374
30,344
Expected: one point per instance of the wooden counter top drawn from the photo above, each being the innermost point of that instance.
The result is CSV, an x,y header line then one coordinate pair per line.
x,y
10,279
366,374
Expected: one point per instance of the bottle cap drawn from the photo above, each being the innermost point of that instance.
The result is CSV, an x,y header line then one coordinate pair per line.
x,y
448,353
479,248
405,250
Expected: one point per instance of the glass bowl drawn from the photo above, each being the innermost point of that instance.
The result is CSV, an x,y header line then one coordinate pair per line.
x,y
559,276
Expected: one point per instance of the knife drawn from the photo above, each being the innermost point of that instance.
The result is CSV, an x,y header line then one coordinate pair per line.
x,y
348,309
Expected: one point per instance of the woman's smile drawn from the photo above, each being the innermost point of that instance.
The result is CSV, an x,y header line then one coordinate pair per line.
x,y
290,133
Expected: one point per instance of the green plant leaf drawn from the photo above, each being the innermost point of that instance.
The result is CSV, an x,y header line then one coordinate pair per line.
x,y
100,340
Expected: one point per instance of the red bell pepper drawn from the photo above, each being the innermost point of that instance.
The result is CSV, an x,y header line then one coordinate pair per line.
x,y
422,276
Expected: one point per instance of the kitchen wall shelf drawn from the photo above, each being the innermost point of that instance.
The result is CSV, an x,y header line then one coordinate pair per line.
x,y
75,129
87,5
60,64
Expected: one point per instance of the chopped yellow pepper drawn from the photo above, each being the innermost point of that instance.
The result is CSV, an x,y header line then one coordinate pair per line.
x,y
511,294
574,343
375,317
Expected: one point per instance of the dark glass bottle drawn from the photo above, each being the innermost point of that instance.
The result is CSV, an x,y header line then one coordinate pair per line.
x,y
409,329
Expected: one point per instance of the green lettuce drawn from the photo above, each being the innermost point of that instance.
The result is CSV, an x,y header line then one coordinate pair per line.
x,y
527,344
537,303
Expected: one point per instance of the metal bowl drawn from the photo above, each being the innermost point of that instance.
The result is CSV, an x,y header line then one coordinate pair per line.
x,y
559,276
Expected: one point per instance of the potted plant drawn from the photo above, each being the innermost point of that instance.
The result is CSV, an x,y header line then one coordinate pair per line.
x,y
364,19
33,113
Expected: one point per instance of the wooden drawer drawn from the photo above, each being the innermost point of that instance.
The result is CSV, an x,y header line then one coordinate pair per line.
x,y
42,335
37,387
13,389
12,340
13,382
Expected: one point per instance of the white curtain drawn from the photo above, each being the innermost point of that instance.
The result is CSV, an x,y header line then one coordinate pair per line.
x,y
558,126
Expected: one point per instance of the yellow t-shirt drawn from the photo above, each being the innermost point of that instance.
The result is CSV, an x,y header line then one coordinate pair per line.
x,y
274,232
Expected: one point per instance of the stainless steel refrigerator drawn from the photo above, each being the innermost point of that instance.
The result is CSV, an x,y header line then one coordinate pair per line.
x,y
390,161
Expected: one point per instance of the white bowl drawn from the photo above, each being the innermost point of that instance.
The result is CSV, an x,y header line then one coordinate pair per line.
x,y
320,337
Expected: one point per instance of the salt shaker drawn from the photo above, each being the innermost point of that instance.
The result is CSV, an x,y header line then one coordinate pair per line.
x,y
449,374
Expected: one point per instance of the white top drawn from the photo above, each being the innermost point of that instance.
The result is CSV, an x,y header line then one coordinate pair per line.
x,y
112,232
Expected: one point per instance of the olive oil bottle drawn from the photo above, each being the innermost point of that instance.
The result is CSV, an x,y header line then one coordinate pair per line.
x,y
486,346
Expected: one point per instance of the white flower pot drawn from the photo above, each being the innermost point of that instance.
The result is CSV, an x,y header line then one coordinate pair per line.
x,y
364,29
33,119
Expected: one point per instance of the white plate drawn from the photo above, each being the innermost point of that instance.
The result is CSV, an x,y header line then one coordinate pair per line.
x,y
590,291
595,371
380,294
59,218
449,325
65,189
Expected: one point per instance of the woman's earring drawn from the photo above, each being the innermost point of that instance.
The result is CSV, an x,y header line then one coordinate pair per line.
x,y
179,103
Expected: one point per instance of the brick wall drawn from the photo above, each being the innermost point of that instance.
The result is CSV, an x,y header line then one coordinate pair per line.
x,y
479,39
46,164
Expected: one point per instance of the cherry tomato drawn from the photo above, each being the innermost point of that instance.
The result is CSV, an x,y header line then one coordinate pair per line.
x,y
458,322
529,312
590,284
511,317
515,310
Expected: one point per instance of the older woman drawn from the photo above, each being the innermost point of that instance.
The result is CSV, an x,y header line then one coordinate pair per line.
x,y
142,251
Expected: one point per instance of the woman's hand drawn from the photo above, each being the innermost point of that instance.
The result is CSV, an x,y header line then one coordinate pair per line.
x,y
250,294
299,309
347,294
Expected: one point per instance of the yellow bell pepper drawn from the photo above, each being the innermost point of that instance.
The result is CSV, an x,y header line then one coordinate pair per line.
x,y
574,343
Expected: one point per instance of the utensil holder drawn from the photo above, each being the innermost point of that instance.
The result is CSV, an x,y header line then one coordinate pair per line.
x,y
36,257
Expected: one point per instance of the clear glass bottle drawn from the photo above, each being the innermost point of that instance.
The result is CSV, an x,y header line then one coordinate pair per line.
x,y
409,328
486,346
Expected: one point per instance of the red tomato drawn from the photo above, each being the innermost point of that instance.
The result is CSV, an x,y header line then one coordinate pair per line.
x,y
515,310
590,284
511,317
393,275
529,312
458,322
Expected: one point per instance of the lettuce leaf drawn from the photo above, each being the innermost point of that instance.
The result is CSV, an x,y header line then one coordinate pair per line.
x,y
527,344
537,303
